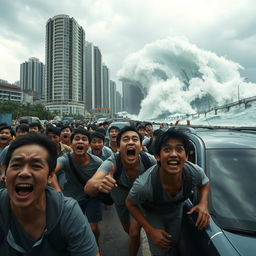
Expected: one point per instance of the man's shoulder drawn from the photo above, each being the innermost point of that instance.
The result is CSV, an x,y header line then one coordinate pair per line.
x,y
95,159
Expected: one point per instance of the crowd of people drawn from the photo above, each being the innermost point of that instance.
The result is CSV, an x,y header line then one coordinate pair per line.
x,y
55,180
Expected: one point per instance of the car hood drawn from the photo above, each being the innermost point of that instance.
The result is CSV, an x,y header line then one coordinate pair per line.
x,y
245,245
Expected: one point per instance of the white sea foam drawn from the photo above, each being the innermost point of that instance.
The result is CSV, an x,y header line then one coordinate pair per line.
x,y
178,78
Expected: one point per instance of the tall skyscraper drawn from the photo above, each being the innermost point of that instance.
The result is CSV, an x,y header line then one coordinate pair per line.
x,y
32,77
132,97
112,87
98,77
119,104
89,77
105,86
65,78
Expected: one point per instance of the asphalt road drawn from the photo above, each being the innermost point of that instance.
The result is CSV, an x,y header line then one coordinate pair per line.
x,y
113,240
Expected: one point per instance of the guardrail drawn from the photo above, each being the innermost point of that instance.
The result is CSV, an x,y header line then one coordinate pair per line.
x,y
227,106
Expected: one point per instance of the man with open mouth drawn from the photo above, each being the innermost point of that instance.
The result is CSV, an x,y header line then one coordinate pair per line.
x,y
35,219
157,196
5,136
65,134
79,166
117,174
112,133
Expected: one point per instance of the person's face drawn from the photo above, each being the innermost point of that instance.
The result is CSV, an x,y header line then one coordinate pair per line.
x,y
54,138
34,129
65,134
20,133
80,144
96,145
149,128
27,176
172,156
112,134
5,136
142,131
130,147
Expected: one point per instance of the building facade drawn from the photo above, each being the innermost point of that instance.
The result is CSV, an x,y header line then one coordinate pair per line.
x,y
10,92
132,97
32,78
105,86
98,77
64,71
89,77
112,91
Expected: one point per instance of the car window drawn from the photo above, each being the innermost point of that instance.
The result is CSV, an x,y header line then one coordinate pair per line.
x,y
232,175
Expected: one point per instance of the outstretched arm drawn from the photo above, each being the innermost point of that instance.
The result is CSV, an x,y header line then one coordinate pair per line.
x,y
100,182
158,236
201,208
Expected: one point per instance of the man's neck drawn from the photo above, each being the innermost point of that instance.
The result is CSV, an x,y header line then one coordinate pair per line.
x,y
170,180
81,159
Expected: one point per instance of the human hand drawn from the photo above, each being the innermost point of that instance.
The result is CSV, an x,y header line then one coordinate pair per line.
x,y
203,218
161,238
108,182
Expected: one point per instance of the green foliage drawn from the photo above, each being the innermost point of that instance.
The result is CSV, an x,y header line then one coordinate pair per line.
x,y
19,109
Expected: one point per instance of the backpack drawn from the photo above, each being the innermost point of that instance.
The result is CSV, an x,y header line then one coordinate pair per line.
x,y
158,204
144,158
106,198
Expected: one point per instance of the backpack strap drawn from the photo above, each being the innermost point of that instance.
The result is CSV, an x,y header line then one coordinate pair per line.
x,y
145,160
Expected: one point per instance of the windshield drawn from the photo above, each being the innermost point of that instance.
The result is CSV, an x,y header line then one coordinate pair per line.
x,y
232,195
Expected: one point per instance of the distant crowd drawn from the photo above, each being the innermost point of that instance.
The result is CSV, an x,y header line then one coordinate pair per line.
x,y
56,179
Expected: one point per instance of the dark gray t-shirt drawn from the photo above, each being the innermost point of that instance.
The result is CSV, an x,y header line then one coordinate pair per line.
x,y
142,190
119,194
73,187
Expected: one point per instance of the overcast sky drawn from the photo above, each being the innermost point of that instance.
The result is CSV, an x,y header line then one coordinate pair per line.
x,y
119,28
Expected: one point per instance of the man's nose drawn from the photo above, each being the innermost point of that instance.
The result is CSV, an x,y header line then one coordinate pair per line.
x,y
25,171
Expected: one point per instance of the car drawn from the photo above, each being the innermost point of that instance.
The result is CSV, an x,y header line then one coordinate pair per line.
x,y
120,125
228,156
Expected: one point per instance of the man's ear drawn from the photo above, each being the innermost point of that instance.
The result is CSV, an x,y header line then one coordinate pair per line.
x,y
157,157
50,177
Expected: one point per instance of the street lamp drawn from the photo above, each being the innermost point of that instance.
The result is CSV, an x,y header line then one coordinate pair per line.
x,y
238,87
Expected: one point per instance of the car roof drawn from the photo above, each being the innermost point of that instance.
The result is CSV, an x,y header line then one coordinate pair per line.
x,y
227,138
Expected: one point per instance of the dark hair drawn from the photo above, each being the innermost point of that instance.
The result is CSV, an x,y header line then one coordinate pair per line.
x,y
113,127
101,130
22,128
54,130
148,124
171,134
34,139
82,131
98,135
35,124
141,127
124,130
65,127
157,132
6,127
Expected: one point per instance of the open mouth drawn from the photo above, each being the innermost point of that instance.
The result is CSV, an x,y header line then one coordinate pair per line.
x,y
23,189
79,148
130,154
65,136
173,162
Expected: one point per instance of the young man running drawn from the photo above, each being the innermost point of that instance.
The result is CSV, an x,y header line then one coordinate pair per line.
x,y
126,166
156,198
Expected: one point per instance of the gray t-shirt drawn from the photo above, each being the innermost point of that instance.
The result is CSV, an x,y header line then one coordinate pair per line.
x,y
142,190
106,153
120,193
73,187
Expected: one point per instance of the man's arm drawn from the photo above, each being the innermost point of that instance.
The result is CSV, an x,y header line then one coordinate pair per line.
x,y
201,208
100,182
158,236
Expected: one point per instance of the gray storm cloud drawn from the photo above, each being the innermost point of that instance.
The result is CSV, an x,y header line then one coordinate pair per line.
x,y
177,77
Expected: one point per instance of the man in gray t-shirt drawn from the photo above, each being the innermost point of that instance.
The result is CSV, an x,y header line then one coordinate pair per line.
x,y
79,167
117,174
156,198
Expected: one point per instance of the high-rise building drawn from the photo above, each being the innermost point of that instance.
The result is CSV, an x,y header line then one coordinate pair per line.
x,y
132,97
65,78
119,104
98,77
105,86
89,77
112,91
32,77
